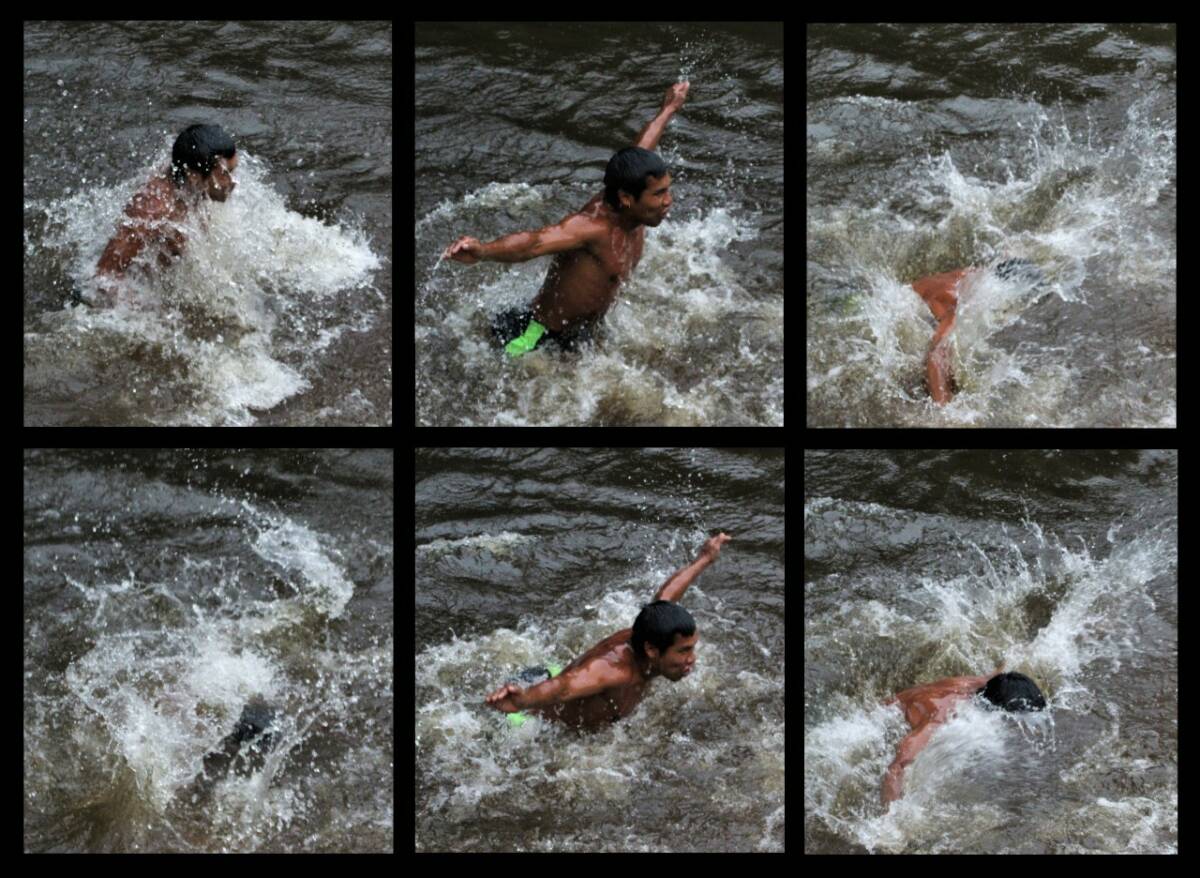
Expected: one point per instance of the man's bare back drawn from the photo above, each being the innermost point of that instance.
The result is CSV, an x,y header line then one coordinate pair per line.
x,y
608,681
941,293
594,249
610,664
151,219
582,284
926,707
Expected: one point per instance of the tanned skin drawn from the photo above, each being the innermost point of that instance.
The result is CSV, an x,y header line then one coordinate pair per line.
x,y
926,707
594,249
940,292
152,218
609,680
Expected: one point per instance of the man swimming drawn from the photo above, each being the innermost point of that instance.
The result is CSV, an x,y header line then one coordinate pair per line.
x,y
202,162
245,750
595,249
609,680
926,707
940,292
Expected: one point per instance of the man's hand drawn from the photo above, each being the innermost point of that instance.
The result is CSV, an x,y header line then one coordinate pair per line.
x,y
712,546
466,250
676,95
504,699
673,588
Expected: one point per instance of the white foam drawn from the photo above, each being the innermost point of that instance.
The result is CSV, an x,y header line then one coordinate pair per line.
x,y
232,327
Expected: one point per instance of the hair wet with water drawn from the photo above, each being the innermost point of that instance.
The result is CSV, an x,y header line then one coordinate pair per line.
x,y
627,172
1013,692
658,623
197,148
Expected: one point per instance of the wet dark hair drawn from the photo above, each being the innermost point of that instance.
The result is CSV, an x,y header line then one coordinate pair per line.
x,y
197,148
1013,691
627,170
658,623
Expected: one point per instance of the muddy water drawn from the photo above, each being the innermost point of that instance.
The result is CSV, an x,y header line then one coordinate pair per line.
x,y
529,557
933,148
515,125
923,565
170,595
278,312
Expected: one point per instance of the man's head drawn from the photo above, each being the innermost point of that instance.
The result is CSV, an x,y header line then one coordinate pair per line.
x,y
664,633
1013,692
637,183
203,157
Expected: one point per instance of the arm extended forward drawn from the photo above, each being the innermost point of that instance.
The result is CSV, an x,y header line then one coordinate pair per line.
x,y
574,232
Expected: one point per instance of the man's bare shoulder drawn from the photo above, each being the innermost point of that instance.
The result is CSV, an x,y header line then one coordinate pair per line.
x,y
610,661
153,201
591,221
936,689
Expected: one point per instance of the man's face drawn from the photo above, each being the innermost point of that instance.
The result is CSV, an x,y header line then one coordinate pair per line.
x,y
651,209
220,181
677,661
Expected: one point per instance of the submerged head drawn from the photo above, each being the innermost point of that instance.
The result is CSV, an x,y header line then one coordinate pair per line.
x,y
1013,692
257,717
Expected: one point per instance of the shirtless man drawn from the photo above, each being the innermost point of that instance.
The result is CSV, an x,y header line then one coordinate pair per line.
x,y
595,249
926,707
609,680
244,750
940,292
202,161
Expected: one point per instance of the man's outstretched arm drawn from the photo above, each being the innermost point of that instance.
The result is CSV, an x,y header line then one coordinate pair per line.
x,y
574,232
591,678
673,588
914,743
676,95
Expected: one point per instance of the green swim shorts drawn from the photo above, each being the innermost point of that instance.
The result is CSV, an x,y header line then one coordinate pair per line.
x,y
531,677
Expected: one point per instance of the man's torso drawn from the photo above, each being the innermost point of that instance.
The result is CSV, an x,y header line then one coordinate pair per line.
x,y
581,285
613,703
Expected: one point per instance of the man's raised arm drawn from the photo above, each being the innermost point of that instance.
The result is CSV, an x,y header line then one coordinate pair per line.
x,y
673,588
676,95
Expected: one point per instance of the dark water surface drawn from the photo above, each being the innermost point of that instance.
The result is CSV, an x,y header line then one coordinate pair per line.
x,y
933,148
924,565
174,600
279,311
